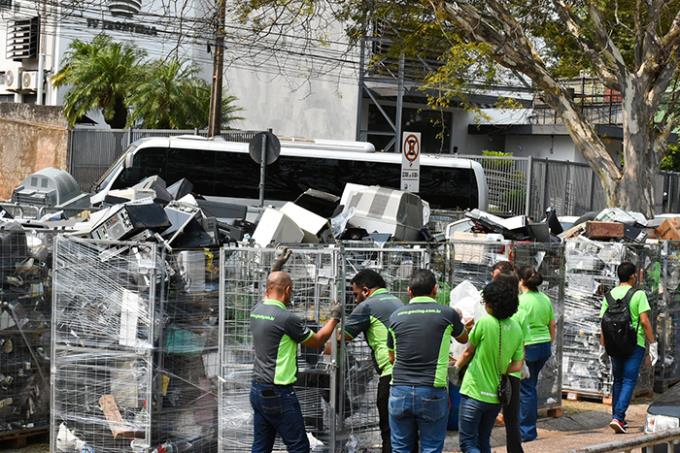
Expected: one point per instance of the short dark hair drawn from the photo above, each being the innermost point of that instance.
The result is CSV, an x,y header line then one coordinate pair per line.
x,y
625,271
531,278
502,296
505,267
368,278
422,282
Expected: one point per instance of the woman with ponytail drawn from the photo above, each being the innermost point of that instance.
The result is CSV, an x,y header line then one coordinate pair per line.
x,y
540,319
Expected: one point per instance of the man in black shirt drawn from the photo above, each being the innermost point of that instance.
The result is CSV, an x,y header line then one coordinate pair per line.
x,y
276,334
419,343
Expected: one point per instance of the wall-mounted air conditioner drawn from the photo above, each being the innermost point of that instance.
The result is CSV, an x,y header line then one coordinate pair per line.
x,y
29,81
13,79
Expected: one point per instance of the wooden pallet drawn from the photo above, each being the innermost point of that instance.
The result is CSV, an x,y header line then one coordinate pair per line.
x,y
22,437
552,411
577,395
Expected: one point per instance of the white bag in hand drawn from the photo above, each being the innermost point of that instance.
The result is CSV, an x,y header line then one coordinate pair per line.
x,y
467,299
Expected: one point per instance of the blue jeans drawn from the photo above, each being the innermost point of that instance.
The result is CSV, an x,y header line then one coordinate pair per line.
x,y
536,356
626,371
277,410
418,412
475,425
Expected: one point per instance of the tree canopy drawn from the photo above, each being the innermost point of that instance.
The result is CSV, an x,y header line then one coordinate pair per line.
x,y
630,46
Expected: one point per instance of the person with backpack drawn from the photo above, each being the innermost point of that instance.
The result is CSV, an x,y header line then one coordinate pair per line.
x,y
625,325
538,314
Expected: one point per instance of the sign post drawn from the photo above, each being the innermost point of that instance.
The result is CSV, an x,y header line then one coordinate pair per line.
x,y
264,149
410,162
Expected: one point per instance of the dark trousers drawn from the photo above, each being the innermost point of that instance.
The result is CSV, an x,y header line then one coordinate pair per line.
x,y
277,411
513,437
383,412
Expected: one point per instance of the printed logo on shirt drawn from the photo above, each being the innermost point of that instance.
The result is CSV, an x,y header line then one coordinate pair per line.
x,y
419,311
263,317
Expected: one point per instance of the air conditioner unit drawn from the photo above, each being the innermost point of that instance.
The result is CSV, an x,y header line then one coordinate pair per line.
x,y
29,81
13,79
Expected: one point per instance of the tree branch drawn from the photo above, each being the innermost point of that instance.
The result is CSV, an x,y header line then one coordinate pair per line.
x,y
604,67
515,51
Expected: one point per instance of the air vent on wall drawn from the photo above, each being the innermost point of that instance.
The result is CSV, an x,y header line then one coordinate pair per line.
x,y
22,38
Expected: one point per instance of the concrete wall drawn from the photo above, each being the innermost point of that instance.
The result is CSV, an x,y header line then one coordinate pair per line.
x,y
557,147
31,138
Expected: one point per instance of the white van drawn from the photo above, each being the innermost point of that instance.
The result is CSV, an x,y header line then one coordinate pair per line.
x,y
218,168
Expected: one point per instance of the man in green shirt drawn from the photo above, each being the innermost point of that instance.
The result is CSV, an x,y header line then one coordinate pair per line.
x,y
626,369
276,334
371,317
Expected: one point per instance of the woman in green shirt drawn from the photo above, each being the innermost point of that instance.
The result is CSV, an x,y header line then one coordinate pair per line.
x,y
494,348
537,311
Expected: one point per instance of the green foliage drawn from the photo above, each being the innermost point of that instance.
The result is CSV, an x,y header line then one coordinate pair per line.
x,y
171,96
101,74
114,77
671,161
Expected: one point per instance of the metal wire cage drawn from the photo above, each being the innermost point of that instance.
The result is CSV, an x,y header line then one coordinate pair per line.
x,y
667,370
590,273
319,386
104,318
25,309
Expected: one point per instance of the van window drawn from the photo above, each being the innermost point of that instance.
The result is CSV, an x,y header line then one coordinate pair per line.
x,y
232,174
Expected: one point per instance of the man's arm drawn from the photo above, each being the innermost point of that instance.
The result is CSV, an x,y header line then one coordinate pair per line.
x,y
391,354
321,337
647,326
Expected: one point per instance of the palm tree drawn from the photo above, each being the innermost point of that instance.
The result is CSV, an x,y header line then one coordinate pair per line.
x,y
101,74
173,97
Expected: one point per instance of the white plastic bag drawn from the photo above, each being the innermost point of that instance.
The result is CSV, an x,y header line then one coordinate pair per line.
x,y
468,300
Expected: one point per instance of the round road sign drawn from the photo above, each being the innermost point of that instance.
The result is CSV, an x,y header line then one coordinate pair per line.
x,y
273,147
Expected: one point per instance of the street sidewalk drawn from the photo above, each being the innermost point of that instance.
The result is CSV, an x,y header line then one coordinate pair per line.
x,y
582,424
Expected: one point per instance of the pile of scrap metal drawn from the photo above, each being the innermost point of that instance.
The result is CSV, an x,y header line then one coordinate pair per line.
x,y
175,217
25,308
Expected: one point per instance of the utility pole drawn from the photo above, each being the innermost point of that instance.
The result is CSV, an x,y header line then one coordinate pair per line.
x,y
215,117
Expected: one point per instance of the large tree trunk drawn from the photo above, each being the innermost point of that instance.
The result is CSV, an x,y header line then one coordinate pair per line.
x,y
119,120
634,191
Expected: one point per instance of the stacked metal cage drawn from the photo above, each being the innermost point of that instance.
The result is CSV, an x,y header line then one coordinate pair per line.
x,y
187,357
104,318
25,305
320,387
667,371
473,261
590,273
134,351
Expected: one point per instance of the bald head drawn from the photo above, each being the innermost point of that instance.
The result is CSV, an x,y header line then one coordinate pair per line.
x,y
279,287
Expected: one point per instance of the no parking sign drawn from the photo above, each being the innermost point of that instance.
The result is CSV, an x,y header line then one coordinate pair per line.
x,y
410,162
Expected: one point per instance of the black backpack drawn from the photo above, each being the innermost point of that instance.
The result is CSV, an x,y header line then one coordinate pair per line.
x,y
620,338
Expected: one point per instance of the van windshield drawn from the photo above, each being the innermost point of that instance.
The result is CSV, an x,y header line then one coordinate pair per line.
x,y
105,179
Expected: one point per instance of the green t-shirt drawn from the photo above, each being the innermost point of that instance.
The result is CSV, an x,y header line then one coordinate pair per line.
x,y
538,311
638,304
521,319
483,374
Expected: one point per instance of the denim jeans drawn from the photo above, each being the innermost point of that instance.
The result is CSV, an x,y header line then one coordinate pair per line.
x,y
626,371
475,425
536,356
277,411
418,412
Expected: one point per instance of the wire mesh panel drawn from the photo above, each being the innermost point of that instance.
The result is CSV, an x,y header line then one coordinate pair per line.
x,y
187,358
548,259
590,273
315,286
473,260
667,371
25,308
395,263
104,319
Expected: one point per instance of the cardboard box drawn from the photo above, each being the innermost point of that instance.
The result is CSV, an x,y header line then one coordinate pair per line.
x,y
669,230
604,230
